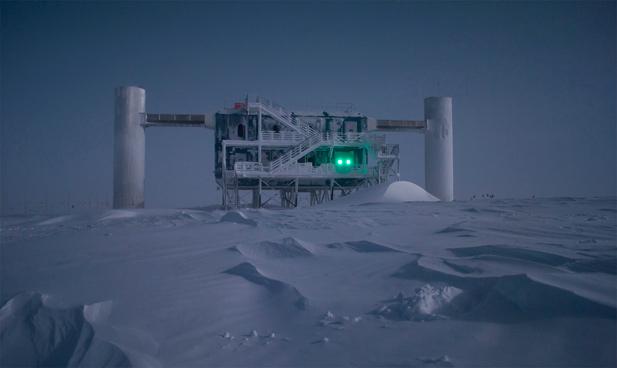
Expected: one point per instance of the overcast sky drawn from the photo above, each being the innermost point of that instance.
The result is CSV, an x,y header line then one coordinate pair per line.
x,y
533,86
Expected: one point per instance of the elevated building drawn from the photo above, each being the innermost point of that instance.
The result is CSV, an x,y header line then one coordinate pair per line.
x,y
261,149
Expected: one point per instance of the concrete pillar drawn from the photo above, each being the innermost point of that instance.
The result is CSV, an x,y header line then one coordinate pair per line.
x,y
438,148
129,147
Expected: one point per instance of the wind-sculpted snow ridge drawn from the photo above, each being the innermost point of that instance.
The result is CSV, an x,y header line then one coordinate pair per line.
x,y
32,333
249,272
605,265
55,220
509,298
118,214
481,281
462,268
238,217
457,230
426,304
289,247
362,246
442,361
159,217
512,252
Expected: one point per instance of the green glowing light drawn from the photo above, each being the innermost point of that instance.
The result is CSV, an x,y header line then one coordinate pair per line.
x,y
344,161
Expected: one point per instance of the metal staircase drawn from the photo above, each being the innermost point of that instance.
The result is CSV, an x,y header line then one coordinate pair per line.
x,y
312,138
277,113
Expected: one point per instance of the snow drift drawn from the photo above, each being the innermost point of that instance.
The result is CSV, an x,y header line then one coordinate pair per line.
x,y
362,246
288,247
250,273
38,330
505,299
34,334
427,304
478,282
397,192
237,217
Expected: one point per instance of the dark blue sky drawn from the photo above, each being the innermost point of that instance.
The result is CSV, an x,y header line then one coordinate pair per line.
x,y
534,87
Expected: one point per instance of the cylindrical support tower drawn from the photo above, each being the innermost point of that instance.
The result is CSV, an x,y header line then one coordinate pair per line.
x,y
129,147
438,148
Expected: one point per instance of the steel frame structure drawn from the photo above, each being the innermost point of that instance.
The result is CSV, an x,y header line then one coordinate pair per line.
x,y
286,175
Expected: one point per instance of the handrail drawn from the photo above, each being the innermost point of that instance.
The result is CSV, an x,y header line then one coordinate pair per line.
x,y
248,166
269,135
303,170
277,113
297,151
308,138
350,137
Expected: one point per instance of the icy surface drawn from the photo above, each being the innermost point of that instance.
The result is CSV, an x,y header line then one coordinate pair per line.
x,y
35,333
359,283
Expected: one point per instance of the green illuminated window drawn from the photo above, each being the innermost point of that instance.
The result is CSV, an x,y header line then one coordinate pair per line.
x,y
344,160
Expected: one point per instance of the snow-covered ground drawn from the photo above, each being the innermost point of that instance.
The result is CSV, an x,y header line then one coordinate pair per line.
x,y
359,283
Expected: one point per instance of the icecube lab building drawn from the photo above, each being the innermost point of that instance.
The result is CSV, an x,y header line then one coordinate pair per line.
x,y
263,151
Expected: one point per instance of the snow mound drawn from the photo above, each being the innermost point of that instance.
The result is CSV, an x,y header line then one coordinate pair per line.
x,y
506,299
34,334
250,273
397,192
285,248
406,191
426,304
237,217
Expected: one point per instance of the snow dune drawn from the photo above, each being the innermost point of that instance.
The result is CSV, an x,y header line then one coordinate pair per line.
x,y
362,246
249,272
284,248
237,217
507,298
40,330
428,303
35,334
391,283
